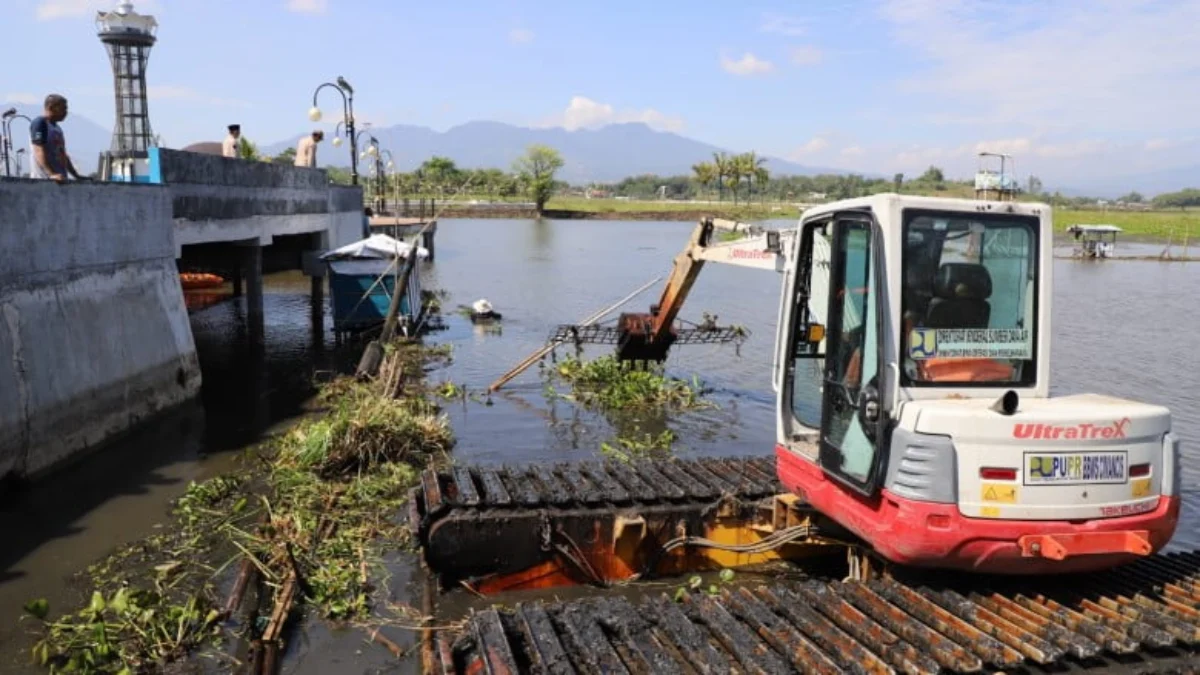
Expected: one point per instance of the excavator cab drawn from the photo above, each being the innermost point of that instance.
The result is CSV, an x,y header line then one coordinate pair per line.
x,y
913,367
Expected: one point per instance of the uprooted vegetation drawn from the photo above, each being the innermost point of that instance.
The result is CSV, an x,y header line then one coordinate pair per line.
x,y
312,529
607,383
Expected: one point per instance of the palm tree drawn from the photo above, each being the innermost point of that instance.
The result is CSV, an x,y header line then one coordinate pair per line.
x,y
721,163
761,176
750,164
736,171
705,173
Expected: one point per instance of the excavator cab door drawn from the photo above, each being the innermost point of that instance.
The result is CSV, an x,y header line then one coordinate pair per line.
x,y
853,420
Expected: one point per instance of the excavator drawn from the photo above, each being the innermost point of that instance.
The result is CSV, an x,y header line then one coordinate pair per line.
x,y
912,378
919,457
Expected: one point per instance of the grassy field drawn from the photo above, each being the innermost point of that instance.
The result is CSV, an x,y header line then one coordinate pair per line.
x,y
1173,225
1156,225
757,210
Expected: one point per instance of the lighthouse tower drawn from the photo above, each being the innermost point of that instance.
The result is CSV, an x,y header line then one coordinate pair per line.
x,y
128,36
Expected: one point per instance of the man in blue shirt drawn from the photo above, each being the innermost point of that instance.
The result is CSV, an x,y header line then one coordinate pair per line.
x,y
50,159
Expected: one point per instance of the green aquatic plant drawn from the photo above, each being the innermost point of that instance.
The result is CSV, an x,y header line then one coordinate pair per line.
x,y
324,510
626,448
608,383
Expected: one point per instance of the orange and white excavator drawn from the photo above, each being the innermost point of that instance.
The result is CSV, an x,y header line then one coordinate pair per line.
x,y
912,373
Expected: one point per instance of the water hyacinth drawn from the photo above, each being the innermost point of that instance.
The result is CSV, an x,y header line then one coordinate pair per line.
x,y
608,383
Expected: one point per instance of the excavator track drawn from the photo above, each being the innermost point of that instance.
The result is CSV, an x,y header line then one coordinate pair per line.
x,y
837,627
500,529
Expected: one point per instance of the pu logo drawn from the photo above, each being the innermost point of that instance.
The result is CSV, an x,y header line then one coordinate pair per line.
x,y
922,344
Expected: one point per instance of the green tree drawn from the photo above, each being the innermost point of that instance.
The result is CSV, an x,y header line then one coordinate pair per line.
x,y
537,168
705,173
1134,197
440,172
721,163
750,164
735,171
933,175
898,181
247,149
286,157
1035,185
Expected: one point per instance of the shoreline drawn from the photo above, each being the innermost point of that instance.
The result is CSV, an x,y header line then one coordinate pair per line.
x,y
693,215
509,213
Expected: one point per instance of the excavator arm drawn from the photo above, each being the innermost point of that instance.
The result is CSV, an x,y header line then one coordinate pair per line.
x,y
648,336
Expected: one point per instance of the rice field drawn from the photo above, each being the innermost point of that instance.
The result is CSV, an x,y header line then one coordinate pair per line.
x,y
1173,225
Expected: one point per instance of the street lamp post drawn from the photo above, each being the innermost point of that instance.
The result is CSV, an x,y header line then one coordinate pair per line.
x,y
344,89
381,170
6,147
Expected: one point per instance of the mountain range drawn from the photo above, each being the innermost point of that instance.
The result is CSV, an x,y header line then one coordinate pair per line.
x,y
604,155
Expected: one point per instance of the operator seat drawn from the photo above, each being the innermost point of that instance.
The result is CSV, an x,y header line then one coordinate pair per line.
x,y
960,297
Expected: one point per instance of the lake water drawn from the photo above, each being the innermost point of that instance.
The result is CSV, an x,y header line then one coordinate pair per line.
x,y
1124,328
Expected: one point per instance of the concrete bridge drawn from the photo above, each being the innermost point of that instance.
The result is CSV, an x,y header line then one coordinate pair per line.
x,y
94,334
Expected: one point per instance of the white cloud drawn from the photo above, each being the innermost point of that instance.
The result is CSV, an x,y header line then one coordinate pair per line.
x,y
782,25
1067,65
48,10
308,6
749,64
853,151
1151,145
805,55
584,113
22,98
181,93
812,147
520,36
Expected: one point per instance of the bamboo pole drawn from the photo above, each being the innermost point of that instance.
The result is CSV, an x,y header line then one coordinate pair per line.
x,y
532,358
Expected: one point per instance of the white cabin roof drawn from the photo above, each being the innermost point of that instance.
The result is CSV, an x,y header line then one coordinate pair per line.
x,y
1094,228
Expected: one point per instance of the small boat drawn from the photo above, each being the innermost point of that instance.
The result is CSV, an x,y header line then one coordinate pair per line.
x,y
197,280
1094,241
362,278
481,311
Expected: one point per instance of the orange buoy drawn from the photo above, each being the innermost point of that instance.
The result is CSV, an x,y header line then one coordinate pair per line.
x,y
194,280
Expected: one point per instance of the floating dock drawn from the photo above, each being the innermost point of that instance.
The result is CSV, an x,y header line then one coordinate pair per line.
x,y
501,529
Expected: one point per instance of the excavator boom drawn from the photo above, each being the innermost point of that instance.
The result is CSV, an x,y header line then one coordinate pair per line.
x,y
647,336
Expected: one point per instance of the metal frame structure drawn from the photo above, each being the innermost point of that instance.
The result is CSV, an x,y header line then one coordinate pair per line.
x,y
1000,186
129,36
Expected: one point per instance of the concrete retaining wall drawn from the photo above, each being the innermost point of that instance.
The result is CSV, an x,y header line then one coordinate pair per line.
x,y
94,335
216,199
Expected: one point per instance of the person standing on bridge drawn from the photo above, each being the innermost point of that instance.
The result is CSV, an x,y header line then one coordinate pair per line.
x,y
306,149
230,147
50,158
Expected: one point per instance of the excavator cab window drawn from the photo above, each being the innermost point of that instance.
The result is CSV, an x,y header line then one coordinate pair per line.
x,y
851,407
969,300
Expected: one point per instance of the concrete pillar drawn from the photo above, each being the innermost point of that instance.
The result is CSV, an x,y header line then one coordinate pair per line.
x,y
252,264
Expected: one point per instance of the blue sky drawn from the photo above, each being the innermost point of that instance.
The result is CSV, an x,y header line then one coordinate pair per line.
x,y
1072,88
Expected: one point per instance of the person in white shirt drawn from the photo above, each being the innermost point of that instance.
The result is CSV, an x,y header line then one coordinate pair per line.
x,y
230,147
306,149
